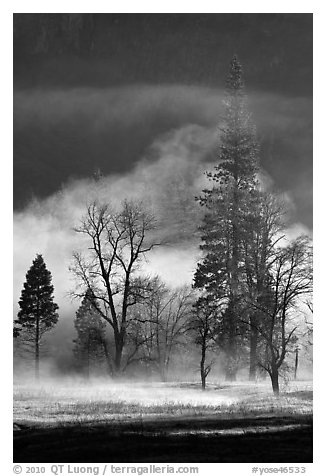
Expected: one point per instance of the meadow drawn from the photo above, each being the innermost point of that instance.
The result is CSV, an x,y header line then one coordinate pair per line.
x,y
57,421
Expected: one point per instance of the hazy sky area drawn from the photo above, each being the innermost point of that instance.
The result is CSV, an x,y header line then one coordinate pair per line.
x,y
139,97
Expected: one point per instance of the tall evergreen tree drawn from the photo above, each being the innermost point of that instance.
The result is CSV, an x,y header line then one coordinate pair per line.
x,y
38,313
90,344
234,181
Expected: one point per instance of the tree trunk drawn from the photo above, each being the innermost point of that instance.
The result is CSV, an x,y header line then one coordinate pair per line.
x,y
203,380
253,354
274,379
231,371
202,368
117,359
118,354
296,363
37,360
119,342
37,348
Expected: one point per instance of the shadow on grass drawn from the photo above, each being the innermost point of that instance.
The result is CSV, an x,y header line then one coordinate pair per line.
x,y
146,442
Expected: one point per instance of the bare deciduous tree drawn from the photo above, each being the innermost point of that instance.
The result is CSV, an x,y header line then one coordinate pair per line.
x,y
117,244
263,230
203,328
289,282
163,317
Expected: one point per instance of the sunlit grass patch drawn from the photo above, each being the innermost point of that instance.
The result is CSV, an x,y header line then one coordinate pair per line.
x,y
78,403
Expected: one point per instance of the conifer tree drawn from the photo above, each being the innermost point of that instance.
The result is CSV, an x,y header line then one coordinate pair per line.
x,y
38,313
234,181
90,344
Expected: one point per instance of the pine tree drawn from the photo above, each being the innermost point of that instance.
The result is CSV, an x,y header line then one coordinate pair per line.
x,y
90,344
226,204
38,313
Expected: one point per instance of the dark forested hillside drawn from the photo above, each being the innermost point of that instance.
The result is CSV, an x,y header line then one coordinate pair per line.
x,y
111,49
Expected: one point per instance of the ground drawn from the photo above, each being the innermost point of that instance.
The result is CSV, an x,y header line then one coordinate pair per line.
x,y
176,422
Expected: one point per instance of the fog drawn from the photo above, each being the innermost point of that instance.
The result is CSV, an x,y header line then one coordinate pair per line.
x,y
130,112
166,185
166,179
143,142
65,134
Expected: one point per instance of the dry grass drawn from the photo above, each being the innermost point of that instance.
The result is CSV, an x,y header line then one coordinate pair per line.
x,y
58,404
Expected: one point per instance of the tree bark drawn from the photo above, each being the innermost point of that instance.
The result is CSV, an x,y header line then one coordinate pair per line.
x,y
296,363
119,344
117,359
37,360
37,349
202,368
275,383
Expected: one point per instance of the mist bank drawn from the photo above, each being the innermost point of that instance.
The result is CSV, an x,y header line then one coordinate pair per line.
x,y
166,179
59,371
68,134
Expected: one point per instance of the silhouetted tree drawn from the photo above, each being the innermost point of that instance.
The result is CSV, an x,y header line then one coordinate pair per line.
x,y
202,327
163,317
289,283
118,242
38,313
263,230
219,272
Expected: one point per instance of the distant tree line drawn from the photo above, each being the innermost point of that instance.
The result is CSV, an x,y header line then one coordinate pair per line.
x,y
243,309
